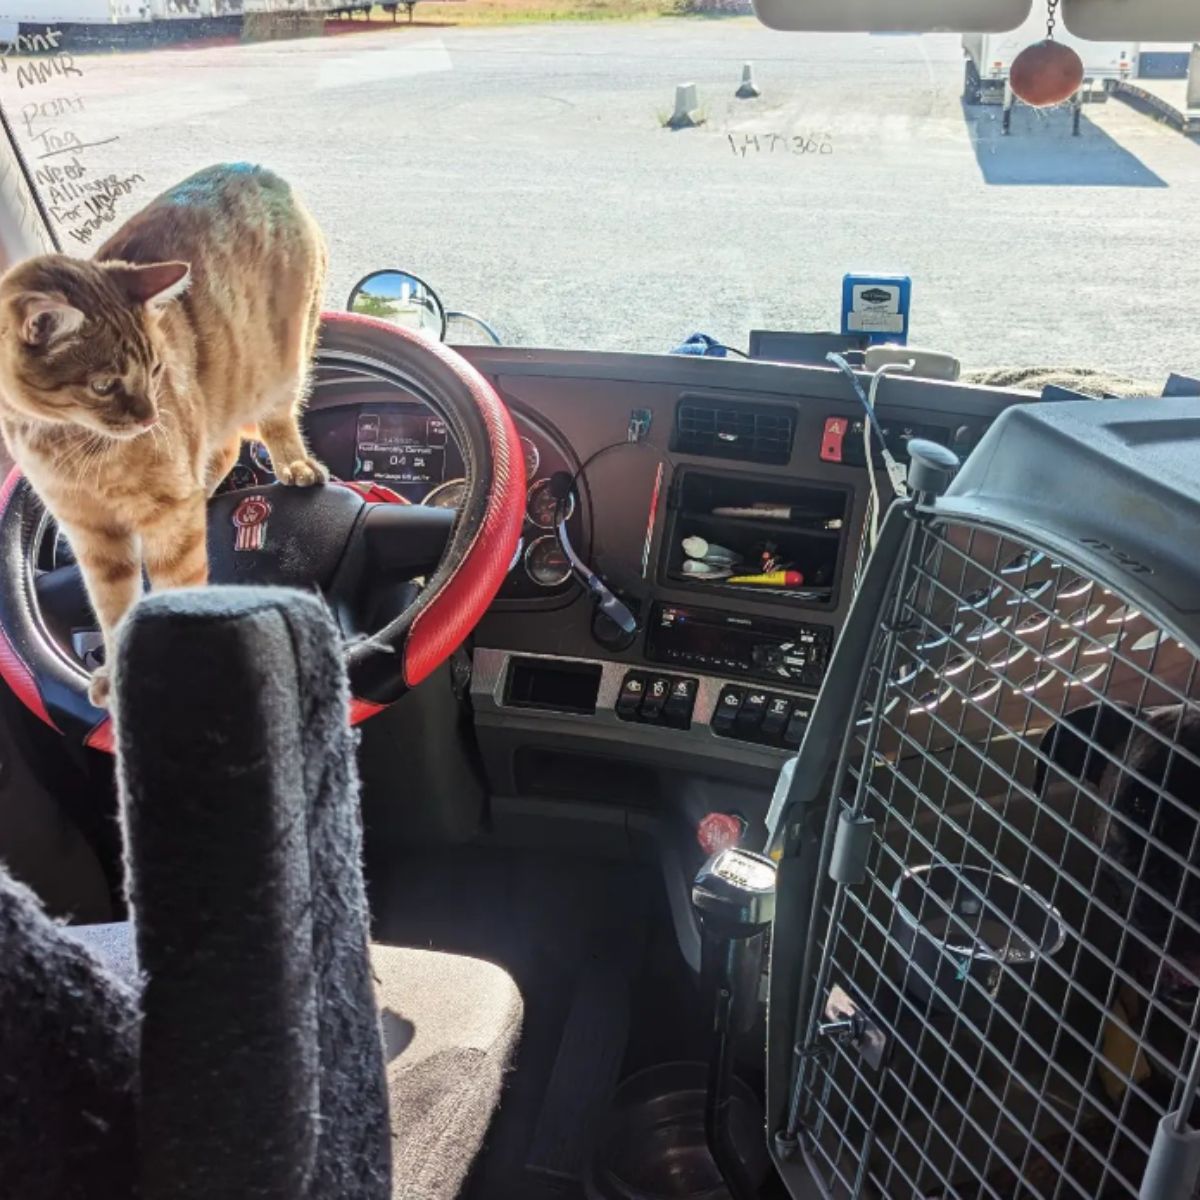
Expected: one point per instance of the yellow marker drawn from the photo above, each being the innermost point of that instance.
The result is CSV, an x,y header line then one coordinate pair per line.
x,y
771,579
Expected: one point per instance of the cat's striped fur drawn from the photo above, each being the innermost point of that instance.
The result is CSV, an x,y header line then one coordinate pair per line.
x,y
127,382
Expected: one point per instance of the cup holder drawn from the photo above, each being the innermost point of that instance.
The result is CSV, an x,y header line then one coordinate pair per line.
x,y
652,1145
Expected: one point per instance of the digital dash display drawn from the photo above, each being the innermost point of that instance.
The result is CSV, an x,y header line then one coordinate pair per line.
x,y
400,447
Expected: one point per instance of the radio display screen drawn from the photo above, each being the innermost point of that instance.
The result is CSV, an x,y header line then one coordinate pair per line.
x,y
723,642
400,447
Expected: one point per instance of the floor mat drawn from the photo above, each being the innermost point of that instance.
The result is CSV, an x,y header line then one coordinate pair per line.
x,y
565,929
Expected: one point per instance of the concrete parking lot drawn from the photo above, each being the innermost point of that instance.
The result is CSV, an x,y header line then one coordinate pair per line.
x,y
525,173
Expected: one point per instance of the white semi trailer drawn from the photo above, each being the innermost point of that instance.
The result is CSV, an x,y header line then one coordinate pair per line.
x,y
28,13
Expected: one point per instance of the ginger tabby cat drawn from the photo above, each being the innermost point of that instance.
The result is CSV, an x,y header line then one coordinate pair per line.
x,y
128,382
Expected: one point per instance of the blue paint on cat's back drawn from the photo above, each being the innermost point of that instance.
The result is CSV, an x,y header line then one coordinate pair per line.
x,y
203,187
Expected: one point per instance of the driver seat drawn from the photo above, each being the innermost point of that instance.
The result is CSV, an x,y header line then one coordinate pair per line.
x,y
228,1041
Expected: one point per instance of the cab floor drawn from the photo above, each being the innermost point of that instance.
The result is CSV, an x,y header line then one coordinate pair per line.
x,y
606,991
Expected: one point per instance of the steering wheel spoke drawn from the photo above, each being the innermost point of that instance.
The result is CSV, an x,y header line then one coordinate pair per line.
x,y
404,541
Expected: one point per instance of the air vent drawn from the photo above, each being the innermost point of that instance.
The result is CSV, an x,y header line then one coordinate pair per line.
x,y
721,429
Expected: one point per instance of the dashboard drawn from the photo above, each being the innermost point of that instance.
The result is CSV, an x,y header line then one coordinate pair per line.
x,y
761,462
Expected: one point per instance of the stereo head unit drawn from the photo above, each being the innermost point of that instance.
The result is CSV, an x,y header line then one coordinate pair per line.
x,y
734,644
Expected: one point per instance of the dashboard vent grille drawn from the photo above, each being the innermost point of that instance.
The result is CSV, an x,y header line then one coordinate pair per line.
x,y
721,429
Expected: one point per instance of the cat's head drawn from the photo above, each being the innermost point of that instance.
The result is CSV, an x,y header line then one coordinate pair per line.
x,y
80,342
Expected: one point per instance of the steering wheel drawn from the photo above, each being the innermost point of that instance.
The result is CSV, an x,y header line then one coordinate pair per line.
x,y
362,556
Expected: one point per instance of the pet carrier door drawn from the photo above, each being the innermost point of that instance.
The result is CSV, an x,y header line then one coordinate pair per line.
x,y
987,980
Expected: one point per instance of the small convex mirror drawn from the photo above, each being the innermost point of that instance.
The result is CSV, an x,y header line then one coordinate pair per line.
x,y
400,299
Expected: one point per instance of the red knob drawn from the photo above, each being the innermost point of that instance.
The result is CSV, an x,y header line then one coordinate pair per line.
x,y
719,831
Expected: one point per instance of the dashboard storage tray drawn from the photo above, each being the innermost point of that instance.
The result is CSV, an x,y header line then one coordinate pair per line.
x,y
791,535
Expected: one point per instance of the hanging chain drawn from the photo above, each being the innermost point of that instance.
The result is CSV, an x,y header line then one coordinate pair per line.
x,y
1051,13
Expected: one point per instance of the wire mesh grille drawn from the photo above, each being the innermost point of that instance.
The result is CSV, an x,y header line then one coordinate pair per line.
x,y
1025,946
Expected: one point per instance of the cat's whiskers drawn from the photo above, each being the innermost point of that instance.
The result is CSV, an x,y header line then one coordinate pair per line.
x,y
97,459
79,453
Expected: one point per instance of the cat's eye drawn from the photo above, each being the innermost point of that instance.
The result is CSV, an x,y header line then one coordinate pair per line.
x,y
102,386
156,370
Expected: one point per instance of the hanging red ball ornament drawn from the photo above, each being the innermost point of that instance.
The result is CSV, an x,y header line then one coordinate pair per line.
x,y
1046,73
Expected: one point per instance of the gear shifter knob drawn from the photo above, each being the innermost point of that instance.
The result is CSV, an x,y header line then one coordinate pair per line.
x,y
734,893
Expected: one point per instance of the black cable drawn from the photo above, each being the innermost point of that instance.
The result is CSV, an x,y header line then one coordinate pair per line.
x,y
846,369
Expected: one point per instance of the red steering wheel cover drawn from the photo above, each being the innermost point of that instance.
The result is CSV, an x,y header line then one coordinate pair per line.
x,y
454,608
463,598
457,598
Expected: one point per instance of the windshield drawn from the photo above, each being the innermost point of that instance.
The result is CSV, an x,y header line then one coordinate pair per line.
x,y
524,161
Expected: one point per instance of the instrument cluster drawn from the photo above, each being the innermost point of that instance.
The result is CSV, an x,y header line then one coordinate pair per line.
x,y
404,447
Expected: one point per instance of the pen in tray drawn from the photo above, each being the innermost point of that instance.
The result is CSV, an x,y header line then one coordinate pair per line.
x,y
801,518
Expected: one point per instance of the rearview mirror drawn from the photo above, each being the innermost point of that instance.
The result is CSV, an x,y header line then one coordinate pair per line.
x,y
1096,20
893,16
401,299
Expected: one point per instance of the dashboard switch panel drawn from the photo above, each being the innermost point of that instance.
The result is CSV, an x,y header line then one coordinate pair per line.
x,y
657,699
753,715
849,446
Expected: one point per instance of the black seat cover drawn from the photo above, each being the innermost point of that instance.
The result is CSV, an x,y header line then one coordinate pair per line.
x,y
259,1070
261,1061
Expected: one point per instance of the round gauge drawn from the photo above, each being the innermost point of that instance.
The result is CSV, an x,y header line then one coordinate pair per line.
x,y
532,457
545,562
542,508
241,476
447,495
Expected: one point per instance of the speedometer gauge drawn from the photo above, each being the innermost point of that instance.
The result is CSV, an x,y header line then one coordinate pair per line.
x,y
532,457
543,505
545,562
447,495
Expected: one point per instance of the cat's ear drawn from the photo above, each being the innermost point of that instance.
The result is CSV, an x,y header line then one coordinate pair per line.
x,y
46,319
154,284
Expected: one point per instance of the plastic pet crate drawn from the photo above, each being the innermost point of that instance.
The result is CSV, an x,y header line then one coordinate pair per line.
x,y
987,980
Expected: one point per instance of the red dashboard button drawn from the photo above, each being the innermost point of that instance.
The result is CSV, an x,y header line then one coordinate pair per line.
x,y
831,440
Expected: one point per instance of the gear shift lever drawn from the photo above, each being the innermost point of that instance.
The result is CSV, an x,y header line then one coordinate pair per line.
x,y
734,893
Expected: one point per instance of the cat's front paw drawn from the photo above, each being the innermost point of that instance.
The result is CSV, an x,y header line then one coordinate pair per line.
x,y
304,472
99,686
